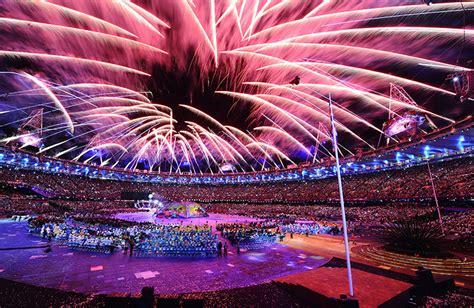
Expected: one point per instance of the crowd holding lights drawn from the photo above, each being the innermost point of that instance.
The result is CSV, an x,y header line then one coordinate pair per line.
x,y
457,144
450,175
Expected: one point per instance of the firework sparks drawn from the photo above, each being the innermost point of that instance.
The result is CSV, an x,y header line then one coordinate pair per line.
x,y
117,81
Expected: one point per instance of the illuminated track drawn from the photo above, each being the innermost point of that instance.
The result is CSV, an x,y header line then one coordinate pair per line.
x,y
452,267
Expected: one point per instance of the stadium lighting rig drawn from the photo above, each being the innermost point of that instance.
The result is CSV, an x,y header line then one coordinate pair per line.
x,y
463,84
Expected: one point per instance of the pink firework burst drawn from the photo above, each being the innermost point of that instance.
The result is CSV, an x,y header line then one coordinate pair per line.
x,y
195,85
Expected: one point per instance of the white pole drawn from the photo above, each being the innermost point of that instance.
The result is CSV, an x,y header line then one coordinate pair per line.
x,y
341,195
171,140
436,198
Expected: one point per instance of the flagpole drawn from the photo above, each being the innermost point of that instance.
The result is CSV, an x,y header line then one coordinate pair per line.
x,y
436,198
341,195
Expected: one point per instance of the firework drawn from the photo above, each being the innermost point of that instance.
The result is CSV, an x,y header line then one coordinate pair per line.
x,y
190,86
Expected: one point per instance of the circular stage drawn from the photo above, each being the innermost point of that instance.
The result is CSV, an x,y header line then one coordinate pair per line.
x,y
82,271
212,219
183,210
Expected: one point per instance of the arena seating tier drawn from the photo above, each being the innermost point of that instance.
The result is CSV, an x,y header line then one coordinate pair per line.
x,y
453,179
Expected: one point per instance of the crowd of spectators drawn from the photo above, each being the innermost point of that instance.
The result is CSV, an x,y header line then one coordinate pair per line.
x,y
459,227
179,240
106,235
248,236
362,220
461,223
40,206
310,228
36,193
16,294
282,206
262,295
452,178
451,299
357,214
10,207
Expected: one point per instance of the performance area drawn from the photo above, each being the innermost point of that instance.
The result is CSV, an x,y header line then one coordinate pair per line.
x,y
67,268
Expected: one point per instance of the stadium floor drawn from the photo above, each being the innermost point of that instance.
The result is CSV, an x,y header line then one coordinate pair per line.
x,y
81,271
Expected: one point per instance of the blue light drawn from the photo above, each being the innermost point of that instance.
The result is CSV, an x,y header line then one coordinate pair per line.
x,y
460,143
426,151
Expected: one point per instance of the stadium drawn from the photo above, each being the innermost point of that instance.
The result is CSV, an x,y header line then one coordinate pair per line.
x,y
236,153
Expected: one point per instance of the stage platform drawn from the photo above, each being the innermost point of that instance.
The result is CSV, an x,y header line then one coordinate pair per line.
x,y
211,220
370,289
